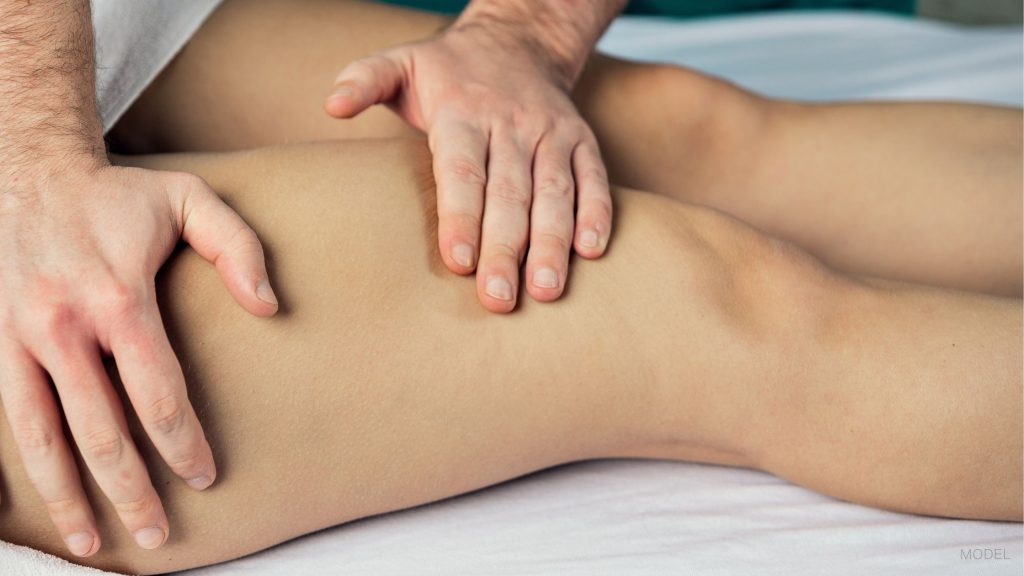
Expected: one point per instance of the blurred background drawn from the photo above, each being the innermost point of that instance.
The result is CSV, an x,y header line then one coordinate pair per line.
x,y
969,12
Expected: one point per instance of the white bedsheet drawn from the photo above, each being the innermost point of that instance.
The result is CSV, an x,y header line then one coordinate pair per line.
x,y
641,517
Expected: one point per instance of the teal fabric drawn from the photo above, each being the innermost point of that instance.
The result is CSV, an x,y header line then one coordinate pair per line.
x,y
696,8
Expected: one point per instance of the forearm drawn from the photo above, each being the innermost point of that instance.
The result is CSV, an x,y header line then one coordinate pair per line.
x,y
47,84
562,31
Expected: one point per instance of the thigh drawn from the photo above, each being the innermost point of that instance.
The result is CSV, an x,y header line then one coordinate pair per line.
x,y
382,383
923,193
257,74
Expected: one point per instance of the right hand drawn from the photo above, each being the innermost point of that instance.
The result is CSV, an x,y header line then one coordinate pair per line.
x,y
79,251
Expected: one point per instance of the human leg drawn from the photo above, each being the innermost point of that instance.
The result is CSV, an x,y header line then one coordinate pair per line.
x,y
382,386
923,193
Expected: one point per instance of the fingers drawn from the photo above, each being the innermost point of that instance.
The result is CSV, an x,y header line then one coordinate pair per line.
x,y
460,168
219,235
363,83
97,423
35,422
551,218
593,198
506,221
152,377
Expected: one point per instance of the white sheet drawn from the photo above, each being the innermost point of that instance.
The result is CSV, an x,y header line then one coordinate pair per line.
x,y
637,517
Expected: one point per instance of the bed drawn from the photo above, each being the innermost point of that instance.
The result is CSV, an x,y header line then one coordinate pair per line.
x,y
650,517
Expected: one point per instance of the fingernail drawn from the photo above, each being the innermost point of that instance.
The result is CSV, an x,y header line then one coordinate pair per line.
x,y
150,538
200,482
80,543
545,278
463,254
588,239
498,287
266,293
342,92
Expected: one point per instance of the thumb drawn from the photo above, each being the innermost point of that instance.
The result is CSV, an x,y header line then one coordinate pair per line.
x,y
221,237
363,83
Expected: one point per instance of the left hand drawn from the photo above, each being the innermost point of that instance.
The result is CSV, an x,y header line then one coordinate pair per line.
x,y
511,154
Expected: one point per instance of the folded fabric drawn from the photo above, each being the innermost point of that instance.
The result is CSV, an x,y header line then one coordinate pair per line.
x,y
22,561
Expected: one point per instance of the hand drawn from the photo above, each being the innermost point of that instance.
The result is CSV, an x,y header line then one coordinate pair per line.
x,y
79,250
511,154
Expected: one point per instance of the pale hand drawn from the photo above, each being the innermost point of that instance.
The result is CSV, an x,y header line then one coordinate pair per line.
x,y
511,156
80,250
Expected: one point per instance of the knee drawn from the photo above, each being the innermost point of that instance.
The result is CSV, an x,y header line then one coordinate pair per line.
x,y
654,120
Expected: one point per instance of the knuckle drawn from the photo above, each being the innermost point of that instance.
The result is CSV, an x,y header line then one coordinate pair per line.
x,y
460,222
600,208
242,242
188,466
166,415
135,507
190,182
124,301
57,319
556,186
35,437
103,446
595,174
505,250
466,171
62,507
557,241
576,128
509,193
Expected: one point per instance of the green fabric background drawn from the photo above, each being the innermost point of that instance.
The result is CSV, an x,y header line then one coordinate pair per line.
x,y
693,8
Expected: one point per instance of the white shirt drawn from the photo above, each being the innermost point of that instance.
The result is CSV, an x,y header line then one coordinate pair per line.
x,y
135,39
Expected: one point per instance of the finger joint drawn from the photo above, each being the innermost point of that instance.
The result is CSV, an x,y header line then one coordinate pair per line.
x,y
166,415
104,446
465,171
556,186
511,194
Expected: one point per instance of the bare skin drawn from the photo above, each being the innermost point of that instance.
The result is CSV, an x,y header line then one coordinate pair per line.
x,y
875,382
871,202
714,343
81,242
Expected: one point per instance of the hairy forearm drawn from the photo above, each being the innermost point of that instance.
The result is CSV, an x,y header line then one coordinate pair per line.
x,y
563,31
47,84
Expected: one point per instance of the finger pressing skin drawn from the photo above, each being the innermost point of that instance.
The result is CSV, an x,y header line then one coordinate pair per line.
x,y
551,218
152,377
363,83
35,422
219,235
506,222
96,419
460,170
593,200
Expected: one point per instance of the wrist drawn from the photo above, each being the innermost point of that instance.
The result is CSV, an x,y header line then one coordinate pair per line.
x,y
36,165
558,36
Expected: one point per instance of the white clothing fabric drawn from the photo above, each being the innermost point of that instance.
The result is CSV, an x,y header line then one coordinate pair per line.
x,y
135,39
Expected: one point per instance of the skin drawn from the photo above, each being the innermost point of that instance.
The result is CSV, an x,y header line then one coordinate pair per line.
x,y
72,291
381,385
718,124
662,128
510,149
82,241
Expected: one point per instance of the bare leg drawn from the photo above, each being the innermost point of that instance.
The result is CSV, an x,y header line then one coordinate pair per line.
x,y
383,385
923,193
